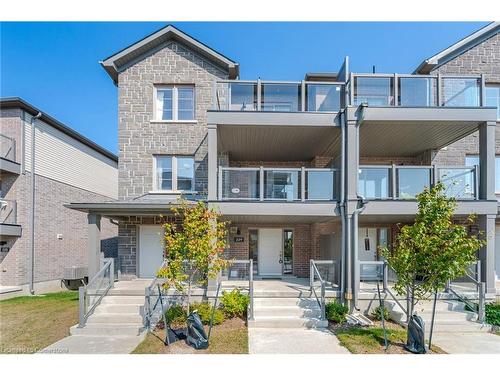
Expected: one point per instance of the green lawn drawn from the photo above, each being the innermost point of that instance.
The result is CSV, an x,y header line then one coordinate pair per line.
x,y
28,324
231,337
370,340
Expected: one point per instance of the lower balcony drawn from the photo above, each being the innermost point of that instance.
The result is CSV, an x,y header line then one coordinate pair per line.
x,y
8,219
277,184
383,182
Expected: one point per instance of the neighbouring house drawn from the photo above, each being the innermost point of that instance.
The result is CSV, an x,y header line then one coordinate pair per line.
x,y
324,168
67,167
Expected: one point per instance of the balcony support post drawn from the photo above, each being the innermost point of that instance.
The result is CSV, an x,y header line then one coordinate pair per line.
x,y
212,162
487,253
487,160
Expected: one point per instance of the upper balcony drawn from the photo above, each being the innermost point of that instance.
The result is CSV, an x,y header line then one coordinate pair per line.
x,y
8,161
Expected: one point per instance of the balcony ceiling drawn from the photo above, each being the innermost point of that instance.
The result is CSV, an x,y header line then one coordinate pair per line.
x,y
411,131
278,143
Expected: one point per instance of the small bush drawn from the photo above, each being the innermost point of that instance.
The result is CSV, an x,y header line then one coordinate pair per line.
x,y
492,313
336,312
379,312
176,316
234,303
204,310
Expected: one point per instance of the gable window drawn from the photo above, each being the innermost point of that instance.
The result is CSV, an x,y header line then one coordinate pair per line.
x,y
174,173
174,103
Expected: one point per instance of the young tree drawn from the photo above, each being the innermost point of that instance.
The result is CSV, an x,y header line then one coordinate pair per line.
x,y
434,249
194,248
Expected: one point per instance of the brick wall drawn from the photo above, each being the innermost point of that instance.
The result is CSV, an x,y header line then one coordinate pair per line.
x,y
140,137
52,255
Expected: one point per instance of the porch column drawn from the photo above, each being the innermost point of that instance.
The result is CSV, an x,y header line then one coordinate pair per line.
x,y
212,162
94,244
213,282
487,253
351,156
487,160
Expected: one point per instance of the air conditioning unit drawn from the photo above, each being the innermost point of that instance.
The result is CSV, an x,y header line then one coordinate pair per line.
x,y
75,273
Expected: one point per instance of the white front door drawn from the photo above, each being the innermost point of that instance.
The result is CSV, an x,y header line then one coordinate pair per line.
x,y
270,247
150,250
367,250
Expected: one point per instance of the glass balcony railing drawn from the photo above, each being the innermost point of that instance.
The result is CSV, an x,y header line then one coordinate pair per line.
x,y
384,90
405,182
8,211
7,147
278,96
277,184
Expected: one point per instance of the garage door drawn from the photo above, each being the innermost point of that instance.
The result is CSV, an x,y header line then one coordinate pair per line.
x,y
150,250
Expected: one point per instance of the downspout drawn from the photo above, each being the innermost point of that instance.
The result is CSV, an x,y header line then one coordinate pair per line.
x,y
32,217
342,209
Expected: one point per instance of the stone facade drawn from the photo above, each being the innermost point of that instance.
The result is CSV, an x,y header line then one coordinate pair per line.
x,y
481,59
140,137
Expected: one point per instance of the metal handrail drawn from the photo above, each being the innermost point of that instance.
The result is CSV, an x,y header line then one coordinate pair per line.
x,y
321,302
250,310
12,147
10,208
83,292
149,292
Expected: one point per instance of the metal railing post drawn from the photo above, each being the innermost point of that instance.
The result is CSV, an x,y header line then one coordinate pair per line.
x,y
303,184
323,307
447,286
385,273
395,90
407,304
147,308
250,287
438,90
393,181
482,93
478,271
259,94
220,183
81,307
481,307
112,272
476,182
261,183
311,274
303,96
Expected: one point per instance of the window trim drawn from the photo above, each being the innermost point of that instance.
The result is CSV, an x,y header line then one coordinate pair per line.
x,y
175,103
174,189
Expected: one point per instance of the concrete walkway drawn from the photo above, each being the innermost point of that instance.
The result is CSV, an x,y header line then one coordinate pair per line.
x,y
293,341
81,344
468,342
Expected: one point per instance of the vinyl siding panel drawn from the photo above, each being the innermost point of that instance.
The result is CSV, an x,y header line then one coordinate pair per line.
x,y
63,158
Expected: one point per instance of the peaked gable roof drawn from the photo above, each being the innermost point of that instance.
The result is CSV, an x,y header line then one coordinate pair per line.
x,y
115,62
458,48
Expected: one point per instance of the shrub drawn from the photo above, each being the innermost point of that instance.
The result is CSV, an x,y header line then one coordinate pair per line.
x,y
204,310
234,303
336,312
492,313
176,316
379,312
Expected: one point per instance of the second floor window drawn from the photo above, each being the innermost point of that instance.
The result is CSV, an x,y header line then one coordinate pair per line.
x,y
174,173
175,103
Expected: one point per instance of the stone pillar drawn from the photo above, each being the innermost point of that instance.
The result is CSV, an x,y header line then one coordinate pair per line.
x,y
212,162
487,253
94,244
487,160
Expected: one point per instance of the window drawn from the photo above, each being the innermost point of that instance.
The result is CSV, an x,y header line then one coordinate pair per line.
x,y
471,160
174,173
492,96
175,103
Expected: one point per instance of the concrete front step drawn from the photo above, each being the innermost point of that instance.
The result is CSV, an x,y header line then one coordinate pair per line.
x,y
115,318
276,302
286,322
118,308
448,315
107,329
286,311
123,300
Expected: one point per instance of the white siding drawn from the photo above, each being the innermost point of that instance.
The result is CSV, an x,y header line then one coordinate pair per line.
x,y
63,158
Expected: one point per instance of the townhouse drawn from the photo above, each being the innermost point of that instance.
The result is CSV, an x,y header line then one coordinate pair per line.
x,y
321,169
39,237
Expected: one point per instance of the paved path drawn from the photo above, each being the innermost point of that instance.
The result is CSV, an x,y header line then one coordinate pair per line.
x,y
467,342
293,341
81,344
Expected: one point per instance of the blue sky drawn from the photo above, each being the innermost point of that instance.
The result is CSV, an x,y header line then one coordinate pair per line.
x,y
55,66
